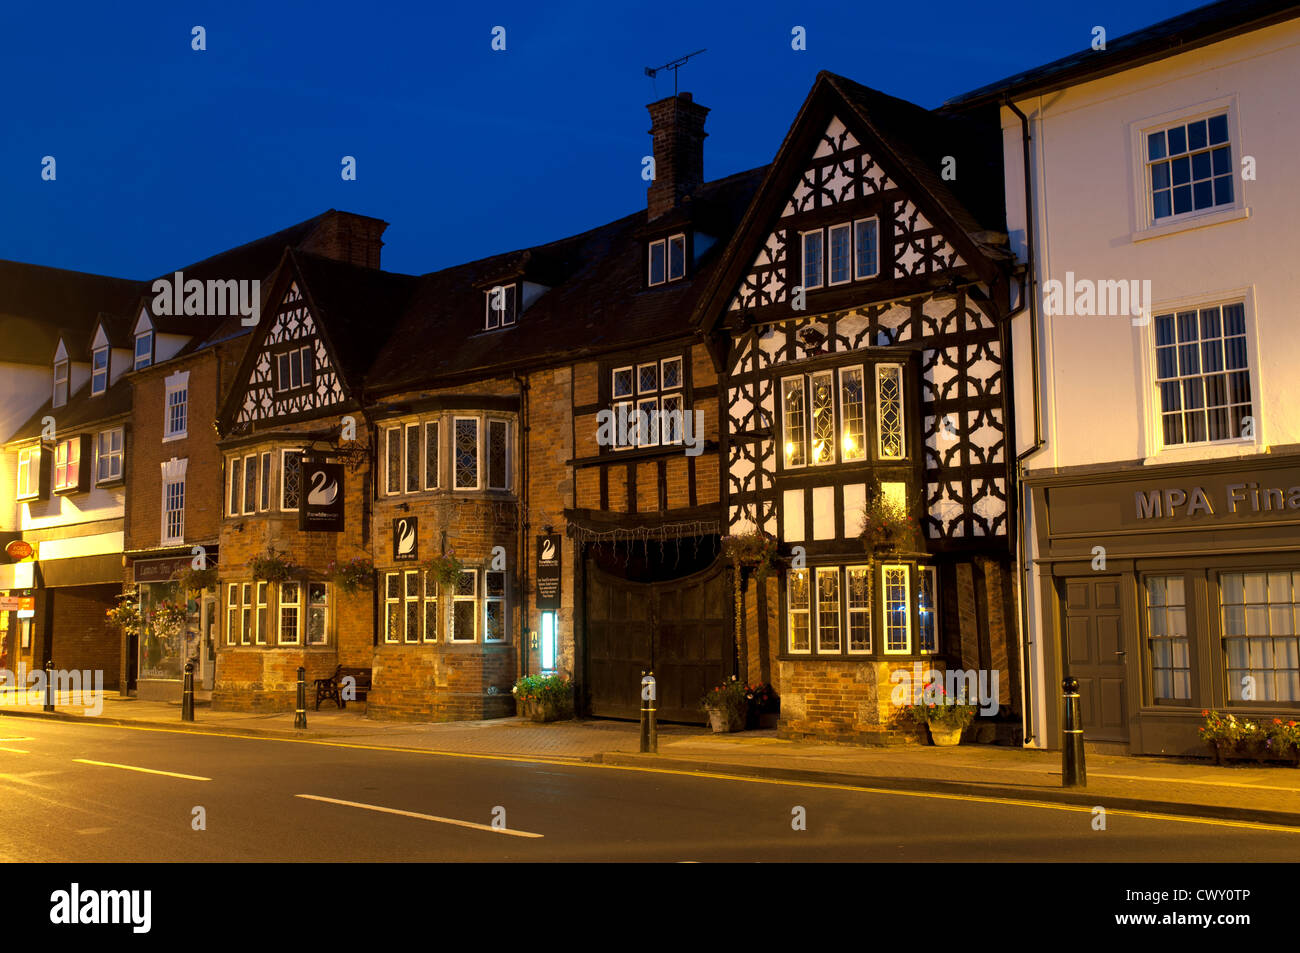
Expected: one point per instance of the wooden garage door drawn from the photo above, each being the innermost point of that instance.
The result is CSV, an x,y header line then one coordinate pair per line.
x,y
1095,655
680,629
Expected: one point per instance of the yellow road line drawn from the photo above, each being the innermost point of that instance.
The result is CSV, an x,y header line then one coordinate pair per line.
x,y
423,817
131,767
1217,784
15,750
983,799
17,739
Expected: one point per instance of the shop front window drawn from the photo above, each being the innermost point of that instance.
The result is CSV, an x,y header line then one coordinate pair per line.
x,y
1171,667
165,642
1260,635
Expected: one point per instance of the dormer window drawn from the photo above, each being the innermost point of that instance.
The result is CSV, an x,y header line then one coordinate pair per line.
x,y
501,304
143,349
99,371
60,383
667,260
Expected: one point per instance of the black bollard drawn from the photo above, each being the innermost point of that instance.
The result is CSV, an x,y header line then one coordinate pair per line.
x,y
1074,772
300,719
49,684
187,694
649,730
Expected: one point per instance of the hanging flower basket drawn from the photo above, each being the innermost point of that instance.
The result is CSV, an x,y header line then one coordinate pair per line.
x,y
352,576
272,567
126,614
887,526
445,568
169,619
756,551
196,580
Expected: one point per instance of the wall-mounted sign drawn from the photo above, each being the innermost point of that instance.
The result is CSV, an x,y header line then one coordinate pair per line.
x,y
160,570
406,539
17,603
321,510
19,549
548,572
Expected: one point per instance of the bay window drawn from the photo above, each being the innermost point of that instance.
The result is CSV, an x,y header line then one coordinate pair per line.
x,y
830,610
290,595
812,434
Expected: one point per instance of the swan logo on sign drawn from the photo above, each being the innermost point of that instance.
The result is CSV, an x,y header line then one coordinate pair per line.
x,y
322,505
406,536
548,549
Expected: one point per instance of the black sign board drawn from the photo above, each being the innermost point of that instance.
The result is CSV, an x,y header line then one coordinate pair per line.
x,y
406,539
321,509
548,572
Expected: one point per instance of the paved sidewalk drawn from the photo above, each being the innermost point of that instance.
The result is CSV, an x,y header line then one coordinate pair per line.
x,y
1243,792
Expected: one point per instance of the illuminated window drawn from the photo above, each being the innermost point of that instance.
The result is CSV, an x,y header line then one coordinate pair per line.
x,y
290,609
889,411
853,426
800,612
896,607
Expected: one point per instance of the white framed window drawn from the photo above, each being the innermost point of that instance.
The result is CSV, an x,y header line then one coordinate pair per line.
x,y
234,485
853,415
60,397
290,612
67,464
393,612
858,599
99,370
295,369
1260,639
464,607
465,458
658,262
431,455
927,611
676,257
1167,643
261,618
143,349
794,421
891,442
108,455
318,613
501,306
822,406
232,614
176,406
839,254
250,484
494,606
895,603
498,455
411,608
31,467
800,611
1202,377
264,496
290,479
173,501
246,613
1189,167
813,253
413,461
866,259
828,609
431,594
670,373
393,460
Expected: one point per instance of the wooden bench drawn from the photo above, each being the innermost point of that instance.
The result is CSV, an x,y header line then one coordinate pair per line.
x,y
331,689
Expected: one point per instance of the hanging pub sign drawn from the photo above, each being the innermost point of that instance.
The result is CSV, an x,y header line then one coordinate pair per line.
x,y
548,572
321,510
406,539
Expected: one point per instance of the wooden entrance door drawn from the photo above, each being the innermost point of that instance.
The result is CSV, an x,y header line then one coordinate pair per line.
x,y
680,629
1094,654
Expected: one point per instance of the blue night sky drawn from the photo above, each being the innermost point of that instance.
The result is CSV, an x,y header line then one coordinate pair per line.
x,y
166,155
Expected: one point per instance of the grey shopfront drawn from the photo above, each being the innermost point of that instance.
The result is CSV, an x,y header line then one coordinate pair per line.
x,y
1169,590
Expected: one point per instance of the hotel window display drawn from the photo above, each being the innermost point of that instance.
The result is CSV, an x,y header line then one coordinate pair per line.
x,y
1263,659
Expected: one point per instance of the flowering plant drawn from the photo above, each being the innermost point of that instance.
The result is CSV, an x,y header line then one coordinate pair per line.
x,y
555,689
754,549
760,697
1242,735
272,566
944,712
886,524
352,576
126,614
445,568
169,619
196,580
730,695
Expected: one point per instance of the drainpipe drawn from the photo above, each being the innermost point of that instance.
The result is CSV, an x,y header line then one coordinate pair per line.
x,y
525,616
1029,303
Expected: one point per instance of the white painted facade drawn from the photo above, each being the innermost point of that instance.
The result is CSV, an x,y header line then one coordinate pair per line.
x,y
1093,217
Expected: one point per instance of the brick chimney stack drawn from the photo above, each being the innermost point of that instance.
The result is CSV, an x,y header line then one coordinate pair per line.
x,y
677,125
346,236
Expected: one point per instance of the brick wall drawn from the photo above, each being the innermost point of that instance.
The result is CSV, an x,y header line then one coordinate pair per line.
x,y
82,638
842,701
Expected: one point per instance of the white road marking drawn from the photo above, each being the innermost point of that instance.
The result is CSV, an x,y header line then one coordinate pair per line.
x,y
423,817
16,750
130,767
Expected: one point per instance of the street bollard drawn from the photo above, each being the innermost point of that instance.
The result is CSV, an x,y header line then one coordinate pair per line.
x,y
300,718
649,730
49,684
1074,773
187,694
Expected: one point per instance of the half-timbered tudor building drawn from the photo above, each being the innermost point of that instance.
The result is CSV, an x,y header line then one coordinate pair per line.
x,y
861,311
182,366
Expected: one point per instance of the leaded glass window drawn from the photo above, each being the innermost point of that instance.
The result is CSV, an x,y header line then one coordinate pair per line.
x,y
466,453
889,411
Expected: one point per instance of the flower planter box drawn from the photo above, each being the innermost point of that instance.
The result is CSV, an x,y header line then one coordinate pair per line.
x,y
944,737
542,711
1225,751
726,720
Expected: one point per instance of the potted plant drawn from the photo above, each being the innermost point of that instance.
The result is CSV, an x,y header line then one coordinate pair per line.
x,y
272,566
445,568
887,526
725,705
762,706
544,697
945,717
352,576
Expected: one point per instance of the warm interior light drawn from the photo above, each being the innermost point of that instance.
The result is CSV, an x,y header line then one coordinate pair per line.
x,y
850,447
789,450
